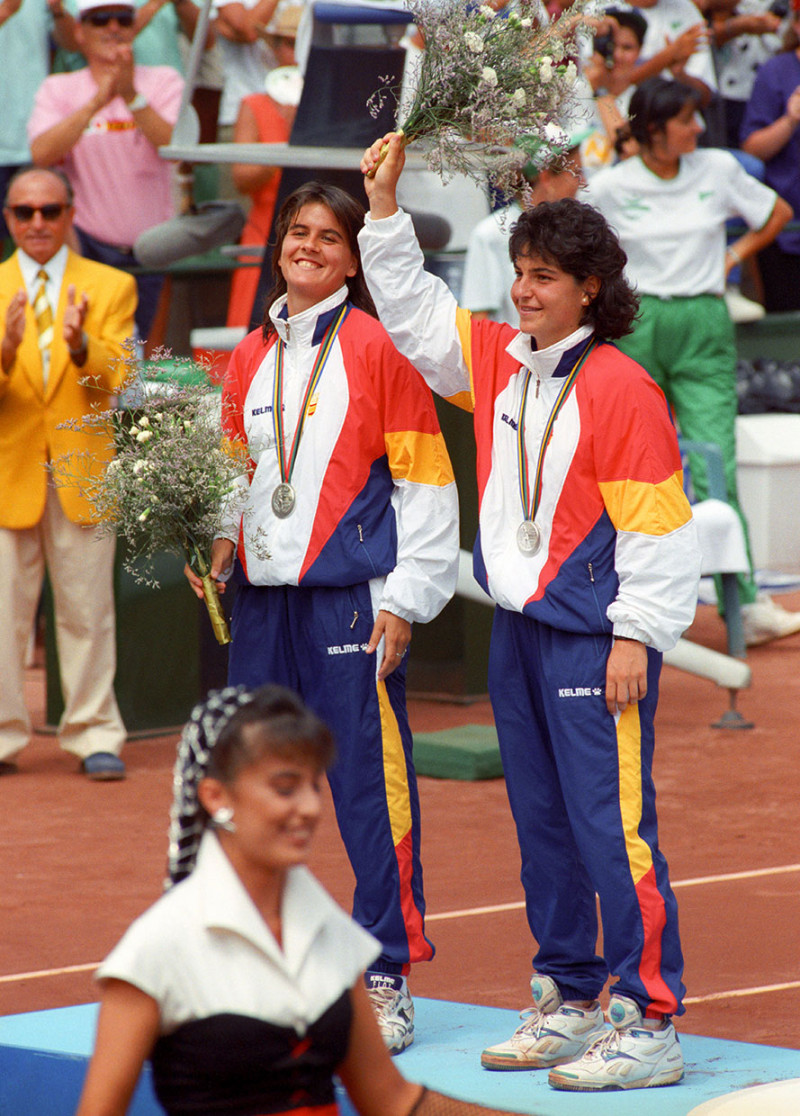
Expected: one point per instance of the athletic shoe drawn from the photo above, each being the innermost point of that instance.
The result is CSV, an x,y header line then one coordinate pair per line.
x,y
551,1032
764,620
394,1009
631,1056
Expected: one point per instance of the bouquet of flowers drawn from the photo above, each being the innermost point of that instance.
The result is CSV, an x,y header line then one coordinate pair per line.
x,y
172,474
485,81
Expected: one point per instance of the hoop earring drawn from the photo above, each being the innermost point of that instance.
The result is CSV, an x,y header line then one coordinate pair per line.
x,y
223,819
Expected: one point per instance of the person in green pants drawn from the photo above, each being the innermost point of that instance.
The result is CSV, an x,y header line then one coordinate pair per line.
x,y
669,205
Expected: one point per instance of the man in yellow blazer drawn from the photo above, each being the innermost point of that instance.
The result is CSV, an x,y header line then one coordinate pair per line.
x,y
63,319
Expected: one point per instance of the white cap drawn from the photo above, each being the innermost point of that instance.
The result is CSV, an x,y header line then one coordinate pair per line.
x,y
85,6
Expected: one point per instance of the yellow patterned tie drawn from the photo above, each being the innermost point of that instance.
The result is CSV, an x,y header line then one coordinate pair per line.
x,y
43,312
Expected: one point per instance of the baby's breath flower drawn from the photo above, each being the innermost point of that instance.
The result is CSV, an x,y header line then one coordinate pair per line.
x,y
489,76
474,42
138,467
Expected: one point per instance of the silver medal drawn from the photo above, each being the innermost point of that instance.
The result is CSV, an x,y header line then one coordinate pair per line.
x,y
529,537
283,500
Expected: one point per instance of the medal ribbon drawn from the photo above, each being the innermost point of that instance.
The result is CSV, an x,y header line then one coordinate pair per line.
x,y
529,508
287,466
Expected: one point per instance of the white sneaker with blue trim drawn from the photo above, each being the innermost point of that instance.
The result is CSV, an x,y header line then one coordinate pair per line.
x,y
551,1032
634,1054
393,1007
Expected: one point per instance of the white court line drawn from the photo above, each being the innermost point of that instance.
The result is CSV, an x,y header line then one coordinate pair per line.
x,y
737,992
500,908
49,972
755,873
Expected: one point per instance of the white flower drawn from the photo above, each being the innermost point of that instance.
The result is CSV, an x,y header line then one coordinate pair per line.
x,y
487,12
570,73
519,98
489,76
144,515
158,416
187,424
134,430
526,23
474,42
144,435
144,421
113,465
546,68
138,468
555,134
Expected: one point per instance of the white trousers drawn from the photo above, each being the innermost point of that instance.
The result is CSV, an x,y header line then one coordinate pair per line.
x,y
80,567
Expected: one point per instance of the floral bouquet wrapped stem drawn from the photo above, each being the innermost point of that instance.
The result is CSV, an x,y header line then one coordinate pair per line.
x,y
485,80
171,477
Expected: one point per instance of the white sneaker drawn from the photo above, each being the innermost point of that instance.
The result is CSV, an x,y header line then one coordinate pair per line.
x,y
631,1056
394,1009
742,309
764,620
551,1032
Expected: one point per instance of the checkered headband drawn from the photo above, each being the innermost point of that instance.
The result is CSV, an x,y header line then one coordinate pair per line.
x,y
187,817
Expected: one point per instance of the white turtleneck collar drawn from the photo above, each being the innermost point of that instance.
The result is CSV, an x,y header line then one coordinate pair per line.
x,y
544,362
299,328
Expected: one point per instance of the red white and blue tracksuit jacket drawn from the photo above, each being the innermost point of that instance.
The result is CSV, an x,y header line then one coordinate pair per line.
x,y
376,497
620,548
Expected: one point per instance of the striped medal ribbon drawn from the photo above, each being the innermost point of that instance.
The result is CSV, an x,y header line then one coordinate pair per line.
x,y
529,533
284,497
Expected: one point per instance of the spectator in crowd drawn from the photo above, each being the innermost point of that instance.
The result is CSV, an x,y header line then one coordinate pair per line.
x,y
771,131
744,34
104,125
246,57
25,30
64,320
676,43
158,25
611,73
669,205
243,985
353,490
587,546
264,118
488,268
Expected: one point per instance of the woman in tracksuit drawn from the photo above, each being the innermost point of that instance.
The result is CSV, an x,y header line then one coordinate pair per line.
x,y
587,545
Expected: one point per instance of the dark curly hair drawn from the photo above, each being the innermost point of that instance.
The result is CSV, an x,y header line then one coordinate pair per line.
x,y
655,102
348,213
578,239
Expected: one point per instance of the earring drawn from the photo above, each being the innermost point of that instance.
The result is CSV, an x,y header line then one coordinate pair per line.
x,y
585,300
223,819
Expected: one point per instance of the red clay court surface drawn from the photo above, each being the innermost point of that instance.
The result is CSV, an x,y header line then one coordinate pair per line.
x,y
82,859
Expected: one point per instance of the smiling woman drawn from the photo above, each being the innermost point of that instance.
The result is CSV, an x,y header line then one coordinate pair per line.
x,y
243,984
352,492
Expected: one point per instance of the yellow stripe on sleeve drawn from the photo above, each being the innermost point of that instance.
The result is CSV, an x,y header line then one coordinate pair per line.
x,y
629,752
647,509
465,400
418,457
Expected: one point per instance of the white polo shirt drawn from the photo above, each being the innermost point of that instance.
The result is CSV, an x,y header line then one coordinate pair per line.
x,y
673,230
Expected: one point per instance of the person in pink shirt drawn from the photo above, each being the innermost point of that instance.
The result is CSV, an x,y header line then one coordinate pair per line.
x,y
103,125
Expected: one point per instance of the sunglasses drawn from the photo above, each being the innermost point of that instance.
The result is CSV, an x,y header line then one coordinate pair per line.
x,y
102,18
50,212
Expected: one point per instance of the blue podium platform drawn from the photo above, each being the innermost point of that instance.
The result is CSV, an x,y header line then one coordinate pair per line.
x,y
43,1058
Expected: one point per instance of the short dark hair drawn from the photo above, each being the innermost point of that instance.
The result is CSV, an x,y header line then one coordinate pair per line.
x,y
634,21
350,216
274,722
655,102
33,169
577,238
